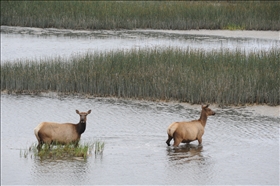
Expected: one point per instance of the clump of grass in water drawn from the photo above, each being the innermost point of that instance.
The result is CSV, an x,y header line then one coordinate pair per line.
x,y
99,147
58,151
29,151
24,153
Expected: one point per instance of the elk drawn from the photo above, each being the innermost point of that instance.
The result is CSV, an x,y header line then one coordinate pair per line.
x,y
50,132
186,132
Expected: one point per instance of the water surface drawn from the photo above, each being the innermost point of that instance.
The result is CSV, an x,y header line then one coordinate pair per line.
x,y
239,146
35,43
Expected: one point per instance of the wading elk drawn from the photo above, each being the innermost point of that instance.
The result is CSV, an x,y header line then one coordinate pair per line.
x,y
186,132
50,132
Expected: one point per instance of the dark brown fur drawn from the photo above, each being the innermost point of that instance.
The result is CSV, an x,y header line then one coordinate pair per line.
x,y
186,132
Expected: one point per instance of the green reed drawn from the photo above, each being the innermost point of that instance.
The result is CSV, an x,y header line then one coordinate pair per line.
x,y
223,77
256,15
59,151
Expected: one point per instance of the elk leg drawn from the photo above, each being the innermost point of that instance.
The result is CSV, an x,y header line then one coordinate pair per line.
x,y
177,141
168,140
199,141
39,146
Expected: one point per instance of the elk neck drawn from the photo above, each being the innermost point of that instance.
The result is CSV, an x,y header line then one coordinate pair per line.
x,y
81,127
203,118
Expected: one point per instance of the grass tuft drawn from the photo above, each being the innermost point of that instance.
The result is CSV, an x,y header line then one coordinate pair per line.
x,y
99,147
58,151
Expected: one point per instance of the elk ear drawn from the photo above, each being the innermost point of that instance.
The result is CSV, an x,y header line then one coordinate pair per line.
x,y
206,106
88,112
77,112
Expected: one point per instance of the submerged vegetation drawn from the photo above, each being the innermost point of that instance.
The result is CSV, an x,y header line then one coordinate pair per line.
x,y
58,151
182,15
194,76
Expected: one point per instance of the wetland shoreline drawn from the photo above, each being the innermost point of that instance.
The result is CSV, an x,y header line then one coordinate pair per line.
x,y
241,140
193,76
255,34
259,109
233,77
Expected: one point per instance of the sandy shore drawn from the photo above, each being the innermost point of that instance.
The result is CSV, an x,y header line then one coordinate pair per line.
x,y
265,110
262,110
273,35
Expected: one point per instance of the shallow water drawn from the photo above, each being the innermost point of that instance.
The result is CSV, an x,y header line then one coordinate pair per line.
x,y
31,43
240,146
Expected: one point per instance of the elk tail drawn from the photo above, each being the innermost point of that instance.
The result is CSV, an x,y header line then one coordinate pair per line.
x,y
36,132
171,129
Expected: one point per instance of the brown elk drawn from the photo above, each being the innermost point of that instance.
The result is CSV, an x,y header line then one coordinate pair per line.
x,y
50,132
186,132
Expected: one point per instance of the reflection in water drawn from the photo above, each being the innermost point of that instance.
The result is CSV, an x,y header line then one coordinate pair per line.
x,y
188,161
70,171
185,153
239,146
236,142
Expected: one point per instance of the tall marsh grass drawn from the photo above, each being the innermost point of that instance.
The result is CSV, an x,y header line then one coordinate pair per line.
x,y
194,76
249,15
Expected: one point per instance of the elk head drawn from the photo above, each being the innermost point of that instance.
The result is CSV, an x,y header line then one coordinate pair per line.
x,y
83,115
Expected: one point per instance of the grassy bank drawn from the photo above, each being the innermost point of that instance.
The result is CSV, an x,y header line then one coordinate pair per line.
x,y
221,77
252,15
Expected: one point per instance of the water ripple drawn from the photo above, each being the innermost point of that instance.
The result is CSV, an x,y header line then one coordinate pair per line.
x,y
236,142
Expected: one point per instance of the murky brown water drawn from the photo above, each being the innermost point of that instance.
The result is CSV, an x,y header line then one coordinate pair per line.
x,y
239,146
